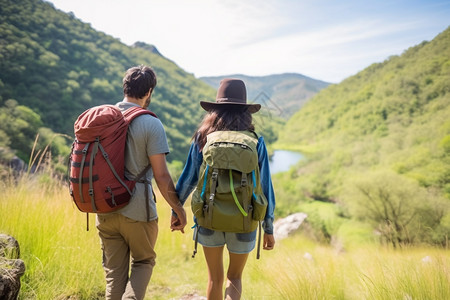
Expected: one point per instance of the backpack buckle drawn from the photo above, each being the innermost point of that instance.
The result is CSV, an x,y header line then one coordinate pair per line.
x,y
85,149
211,197
244,179
214,175
91,192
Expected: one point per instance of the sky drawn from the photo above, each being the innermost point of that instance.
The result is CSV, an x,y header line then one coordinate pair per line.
x,y
328,40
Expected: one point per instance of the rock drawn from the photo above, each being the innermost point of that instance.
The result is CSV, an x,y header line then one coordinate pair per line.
x,y
11,267
9,247
17,166
285,226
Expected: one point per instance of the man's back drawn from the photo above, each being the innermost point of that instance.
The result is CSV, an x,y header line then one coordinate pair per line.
x,y
146,137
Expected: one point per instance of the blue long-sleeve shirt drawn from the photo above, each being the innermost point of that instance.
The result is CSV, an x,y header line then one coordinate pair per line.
x,y
190,175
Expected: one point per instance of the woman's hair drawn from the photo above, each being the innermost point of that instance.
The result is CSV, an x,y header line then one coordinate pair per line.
x,y
235,119
138,81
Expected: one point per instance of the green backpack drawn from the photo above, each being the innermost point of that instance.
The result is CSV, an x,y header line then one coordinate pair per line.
x,y
228,196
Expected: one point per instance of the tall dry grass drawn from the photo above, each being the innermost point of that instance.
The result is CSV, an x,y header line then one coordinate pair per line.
x,y
63,260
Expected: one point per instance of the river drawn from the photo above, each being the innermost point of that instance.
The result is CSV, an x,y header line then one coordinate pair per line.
x,y
282,160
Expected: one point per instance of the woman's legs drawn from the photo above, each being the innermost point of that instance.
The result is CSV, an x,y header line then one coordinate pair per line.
x,y
236,243
233,290
214,260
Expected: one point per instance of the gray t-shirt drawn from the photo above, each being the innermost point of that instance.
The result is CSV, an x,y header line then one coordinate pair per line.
x,y
146,137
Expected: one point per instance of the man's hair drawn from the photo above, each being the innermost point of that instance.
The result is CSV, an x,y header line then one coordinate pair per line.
x,y
138,81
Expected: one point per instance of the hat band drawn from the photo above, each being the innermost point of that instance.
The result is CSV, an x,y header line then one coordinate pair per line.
x,y
231,100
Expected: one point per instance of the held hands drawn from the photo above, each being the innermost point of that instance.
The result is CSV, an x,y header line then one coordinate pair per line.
x,y
269,241
178,221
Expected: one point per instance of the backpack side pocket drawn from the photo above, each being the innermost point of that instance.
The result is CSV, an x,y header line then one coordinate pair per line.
x,y
197,205
259,203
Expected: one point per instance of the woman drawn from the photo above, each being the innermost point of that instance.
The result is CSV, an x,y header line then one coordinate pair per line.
x,y
230,112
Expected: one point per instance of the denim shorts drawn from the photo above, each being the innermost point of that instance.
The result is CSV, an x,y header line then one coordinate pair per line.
x,y
239,243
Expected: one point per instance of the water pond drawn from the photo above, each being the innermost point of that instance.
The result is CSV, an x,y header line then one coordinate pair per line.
x,y
282,160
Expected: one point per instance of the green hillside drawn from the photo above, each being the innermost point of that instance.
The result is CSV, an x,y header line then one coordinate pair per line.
x,y
378,145
54,67
284,94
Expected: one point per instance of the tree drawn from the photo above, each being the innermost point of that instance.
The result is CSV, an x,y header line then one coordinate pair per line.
x,y
398,208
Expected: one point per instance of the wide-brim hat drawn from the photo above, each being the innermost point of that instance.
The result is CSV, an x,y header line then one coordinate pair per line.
x,y
230,95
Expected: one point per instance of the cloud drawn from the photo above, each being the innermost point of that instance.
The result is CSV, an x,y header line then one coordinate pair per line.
x,y
323,39
328,50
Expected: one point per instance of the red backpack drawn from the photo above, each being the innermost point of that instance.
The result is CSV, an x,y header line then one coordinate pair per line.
x,y
97,180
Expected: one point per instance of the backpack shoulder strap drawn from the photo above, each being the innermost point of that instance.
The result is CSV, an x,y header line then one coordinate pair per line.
x,y
131,113
254,133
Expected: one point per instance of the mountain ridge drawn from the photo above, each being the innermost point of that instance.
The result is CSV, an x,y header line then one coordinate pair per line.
x,y
287,92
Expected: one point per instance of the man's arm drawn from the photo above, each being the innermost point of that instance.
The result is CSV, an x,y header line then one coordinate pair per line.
x,y
166,187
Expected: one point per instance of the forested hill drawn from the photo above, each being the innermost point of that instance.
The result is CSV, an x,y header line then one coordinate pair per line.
x,y
57,66
388,125
285,92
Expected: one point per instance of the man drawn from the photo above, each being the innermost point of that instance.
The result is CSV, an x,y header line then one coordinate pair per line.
x,y
131,233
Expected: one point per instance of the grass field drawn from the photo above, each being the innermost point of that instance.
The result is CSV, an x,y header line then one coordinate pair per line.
x,y
63,260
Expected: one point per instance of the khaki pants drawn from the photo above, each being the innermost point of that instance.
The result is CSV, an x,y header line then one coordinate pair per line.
x,y
123,238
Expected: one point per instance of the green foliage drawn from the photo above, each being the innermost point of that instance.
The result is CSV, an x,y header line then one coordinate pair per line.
x,y
392,116
19,124
57,67
25,137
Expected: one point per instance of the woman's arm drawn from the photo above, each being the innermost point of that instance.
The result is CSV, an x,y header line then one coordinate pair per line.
x,y
189,177
266,184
